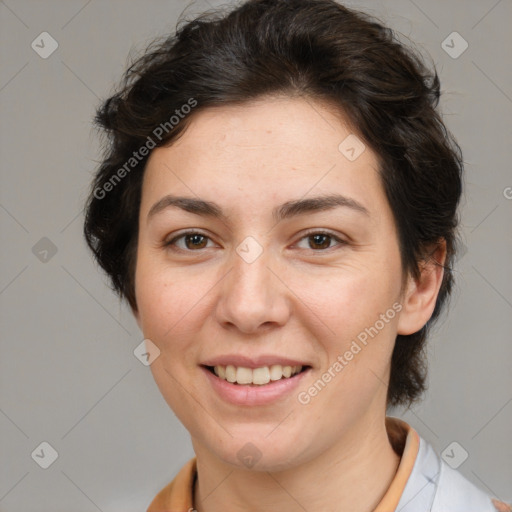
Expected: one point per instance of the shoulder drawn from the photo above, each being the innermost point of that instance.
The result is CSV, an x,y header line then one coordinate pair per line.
x,y
435,487
179,493
457,494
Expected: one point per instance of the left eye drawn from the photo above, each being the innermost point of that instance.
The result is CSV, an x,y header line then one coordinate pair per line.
x,y
321,239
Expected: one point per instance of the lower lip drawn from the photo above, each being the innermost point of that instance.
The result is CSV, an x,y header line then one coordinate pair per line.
x,y
254,394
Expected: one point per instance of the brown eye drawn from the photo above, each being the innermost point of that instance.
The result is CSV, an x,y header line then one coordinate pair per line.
x,y
192,241
320,241
196,241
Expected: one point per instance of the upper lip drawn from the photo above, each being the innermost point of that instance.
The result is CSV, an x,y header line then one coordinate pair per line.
x,y
252,362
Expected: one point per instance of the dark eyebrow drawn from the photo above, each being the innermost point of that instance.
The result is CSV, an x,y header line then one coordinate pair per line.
x,y
284,211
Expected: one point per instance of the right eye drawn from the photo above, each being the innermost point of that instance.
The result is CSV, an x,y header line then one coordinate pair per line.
x,y
194,239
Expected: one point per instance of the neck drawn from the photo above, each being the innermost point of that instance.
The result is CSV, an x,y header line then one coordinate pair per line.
x,y
355,474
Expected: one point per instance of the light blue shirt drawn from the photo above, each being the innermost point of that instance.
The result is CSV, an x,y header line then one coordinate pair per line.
x,y
434,486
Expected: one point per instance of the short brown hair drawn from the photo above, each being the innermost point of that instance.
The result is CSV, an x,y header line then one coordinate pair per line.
x,y
318,49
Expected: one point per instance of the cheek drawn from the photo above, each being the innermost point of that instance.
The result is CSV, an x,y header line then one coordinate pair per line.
x,y
166,300
358,342
358,354
166,307
348,301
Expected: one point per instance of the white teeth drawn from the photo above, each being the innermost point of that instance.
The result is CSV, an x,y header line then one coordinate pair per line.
x,y
243,375
230,373
276,372
259,376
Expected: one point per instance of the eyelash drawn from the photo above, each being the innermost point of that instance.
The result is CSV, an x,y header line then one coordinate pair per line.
x,y
172,242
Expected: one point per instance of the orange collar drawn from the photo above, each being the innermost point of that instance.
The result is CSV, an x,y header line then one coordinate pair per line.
x,y
178,495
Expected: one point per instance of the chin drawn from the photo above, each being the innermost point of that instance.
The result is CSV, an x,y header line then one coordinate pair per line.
x,y
259,453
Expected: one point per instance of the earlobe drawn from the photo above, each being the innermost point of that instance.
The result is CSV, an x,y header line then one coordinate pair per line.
x,y
420,297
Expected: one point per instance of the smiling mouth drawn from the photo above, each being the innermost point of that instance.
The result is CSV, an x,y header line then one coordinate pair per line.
x,y
262,376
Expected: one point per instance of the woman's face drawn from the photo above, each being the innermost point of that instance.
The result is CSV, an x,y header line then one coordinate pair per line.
x,y
269,282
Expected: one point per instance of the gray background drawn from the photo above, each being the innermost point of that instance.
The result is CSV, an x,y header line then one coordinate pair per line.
x,y
67,369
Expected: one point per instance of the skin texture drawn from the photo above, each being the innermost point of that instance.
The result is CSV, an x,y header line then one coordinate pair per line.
x,y
304,298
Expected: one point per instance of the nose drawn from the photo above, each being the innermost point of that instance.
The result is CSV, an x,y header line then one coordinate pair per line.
x,y
253,296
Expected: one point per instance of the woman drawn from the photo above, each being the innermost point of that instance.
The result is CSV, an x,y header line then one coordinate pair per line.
x,y
278,205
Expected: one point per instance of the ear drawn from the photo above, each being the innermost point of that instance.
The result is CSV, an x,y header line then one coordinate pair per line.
x,y
420,297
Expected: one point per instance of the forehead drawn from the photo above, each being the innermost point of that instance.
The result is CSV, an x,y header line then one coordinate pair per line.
x,y
280,148
281,125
